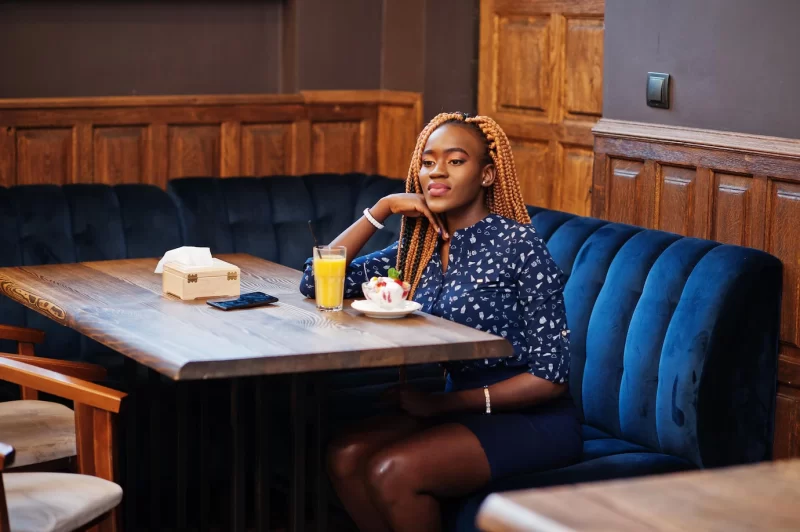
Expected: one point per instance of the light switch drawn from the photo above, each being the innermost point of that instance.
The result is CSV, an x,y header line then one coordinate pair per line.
x,y
658,90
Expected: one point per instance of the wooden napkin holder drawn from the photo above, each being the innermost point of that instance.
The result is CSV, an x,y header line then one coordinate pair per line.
x,y
192,282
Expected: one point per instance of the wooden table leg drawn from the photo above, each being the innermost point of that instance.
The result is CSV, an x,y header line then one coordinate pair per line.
x,y
262,487
238,481
320,474
131,455
204,391
297,495
182,444
154,406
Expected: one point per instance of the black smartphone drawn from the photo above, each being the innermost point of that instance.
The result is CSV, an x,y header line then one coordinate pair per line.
x,y
249,300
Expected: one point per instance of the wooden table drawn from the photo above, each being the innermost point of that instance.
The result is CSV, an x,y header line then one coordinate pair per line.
x,y
119,303
765,496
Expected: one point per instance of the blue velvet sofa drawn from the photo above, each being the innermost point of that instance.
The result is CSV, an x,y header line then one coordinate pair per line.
x,y
674,340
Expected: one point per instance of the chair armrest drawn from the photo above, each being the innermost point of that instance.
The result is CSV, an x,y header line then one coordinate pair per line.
x,y
21,334
80,370
6,455
44,380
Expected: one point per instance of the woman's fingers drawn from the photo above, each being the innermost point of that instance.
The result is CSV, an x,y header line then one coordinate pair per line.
x,y
441,223
432,218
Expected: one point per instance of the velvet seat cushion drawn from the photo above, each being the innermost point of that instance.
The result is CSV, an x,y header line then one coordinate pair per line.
x,y
39,431
460,515
57,502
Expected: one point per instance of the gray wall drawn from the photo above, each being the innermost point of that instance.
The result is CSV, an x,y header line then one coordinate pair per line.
x,y
735,63
338,44
90,48
84,48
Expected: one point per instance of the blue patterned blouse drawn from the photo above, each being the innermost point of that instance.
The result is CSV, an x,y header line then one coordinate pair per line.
x,y
501,279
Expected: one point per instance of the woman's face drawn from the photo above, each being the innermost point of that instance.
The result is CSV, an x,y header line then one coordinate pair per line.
x,y
453,172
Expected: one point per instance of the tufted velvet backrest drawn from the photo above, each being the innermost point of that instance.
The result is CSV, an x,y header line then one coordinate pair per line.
x,y
674,340
268,217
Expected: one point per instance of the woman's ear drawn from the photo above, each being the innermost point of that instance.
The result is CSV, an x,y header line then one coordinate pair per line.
x,y
488,175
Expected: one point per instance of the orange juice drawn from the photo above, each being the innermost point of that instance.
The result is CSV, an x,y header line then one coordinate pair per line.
x,y
329,272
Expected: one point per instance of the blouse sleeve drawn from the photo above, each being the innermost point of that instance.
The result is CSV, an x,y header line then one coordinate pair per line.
x,y
359,271
541,290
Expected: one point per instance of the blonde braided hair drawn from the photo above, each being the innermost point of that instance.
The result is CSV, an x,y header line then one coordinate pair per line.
x,y
418,239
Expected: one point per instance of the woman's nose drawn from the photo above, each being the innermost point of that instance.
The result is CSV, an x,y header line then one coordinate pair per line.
x,y
439,170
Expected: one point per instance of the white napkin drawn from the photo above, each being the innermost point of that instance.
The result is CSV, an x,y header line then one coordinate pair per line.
x,y
187,255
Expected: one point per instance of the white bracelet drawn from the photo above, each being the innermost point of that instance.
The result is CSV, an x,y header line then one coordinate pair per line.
x,y
372,220
488,399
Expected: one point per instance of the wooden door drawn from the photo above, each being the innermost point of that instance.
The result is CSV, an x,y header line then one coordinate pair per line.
x,y
541,79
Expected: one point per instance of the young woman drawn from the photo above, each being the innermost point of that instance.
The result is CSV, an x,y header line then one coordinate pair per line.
x,y
471,256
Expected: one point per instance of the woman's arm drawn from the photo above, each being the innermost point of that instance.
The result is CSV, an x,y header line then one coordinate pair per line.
x,y
518,392
356,236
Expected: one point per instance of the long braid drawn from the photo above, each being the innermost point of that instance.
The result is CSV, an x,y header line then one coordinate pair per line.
x,y
418,239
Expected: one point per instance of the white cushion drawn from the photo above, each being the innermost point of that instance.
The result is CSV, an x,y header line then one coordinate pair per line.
x,y
38,431
57,502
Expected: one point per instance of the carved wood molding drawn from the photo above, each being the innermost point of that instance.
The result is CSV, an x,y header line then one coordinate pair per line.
x,y
701,138
151,139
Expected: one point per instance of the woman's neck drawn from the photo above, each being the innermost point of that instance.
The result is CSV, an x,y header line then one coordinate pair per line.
x,y
466,216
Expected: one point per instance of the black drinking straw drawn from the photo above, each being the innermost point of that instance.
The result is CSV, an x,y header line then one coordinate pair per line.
x,y
310,228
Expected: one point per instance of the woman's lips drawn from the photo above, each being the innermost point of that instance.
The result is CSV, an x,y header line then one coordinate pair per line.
x,y
437,190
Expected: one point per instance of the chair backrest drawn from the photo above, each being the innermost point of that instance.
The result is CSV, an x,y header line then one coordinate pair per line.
x,y
674,339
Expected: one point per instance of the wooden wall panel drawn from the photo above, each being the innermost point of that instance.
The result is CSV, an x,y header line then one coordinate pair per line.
x,y
623,184
541,79
119,154
8,156
787,419
152,139
335,146
45,156
783,227
523,57
732,199
533,170
266,149
583,82
194,151
676,202
734,188
396,128
573,190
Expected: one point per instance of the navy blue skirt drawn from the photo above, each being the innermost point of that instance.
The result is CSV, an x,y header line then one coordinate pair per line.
x,y
540,438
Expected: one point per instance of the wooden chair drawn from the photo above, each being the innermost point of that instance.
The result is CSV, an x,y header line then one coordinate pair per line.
x,y
42,432
53,502
94,406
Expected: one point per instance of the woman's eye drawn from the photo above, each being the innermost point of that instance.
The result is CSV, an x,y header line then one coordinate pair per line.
x,y
427,164
457,162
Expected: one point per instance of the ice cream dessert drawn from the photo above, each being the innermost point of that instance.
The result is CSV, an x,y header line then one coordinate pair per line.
x,y
387,292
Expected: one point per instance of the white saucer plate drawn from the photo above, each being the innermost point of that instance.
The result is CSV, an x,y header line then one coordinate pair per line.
x,y
372,310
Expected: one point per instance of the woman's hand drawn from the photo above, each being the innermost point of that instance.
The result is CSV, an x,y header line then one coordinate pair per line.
x,y
413,206
417,403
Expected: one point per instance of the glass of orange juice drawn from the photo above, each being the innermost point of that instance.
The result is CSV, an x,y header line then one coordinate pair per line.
x,y
329,271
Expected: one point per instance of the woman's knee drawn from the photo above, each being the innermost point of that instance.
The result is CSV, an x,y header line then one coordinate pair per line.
x,y
390,475
347,457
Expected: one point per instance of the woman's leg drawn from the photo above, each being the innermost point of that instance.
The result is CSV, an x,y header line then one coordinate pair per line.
x,y
406,477
348,456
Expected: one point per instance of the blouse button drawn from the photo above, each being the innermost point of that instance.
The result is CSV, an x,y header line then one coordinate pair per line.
x,y
564,332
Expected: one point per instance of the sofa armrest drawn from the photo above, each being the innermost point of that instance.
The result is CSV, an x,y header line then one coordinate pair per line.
x,y
44,380
79,370
21,334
